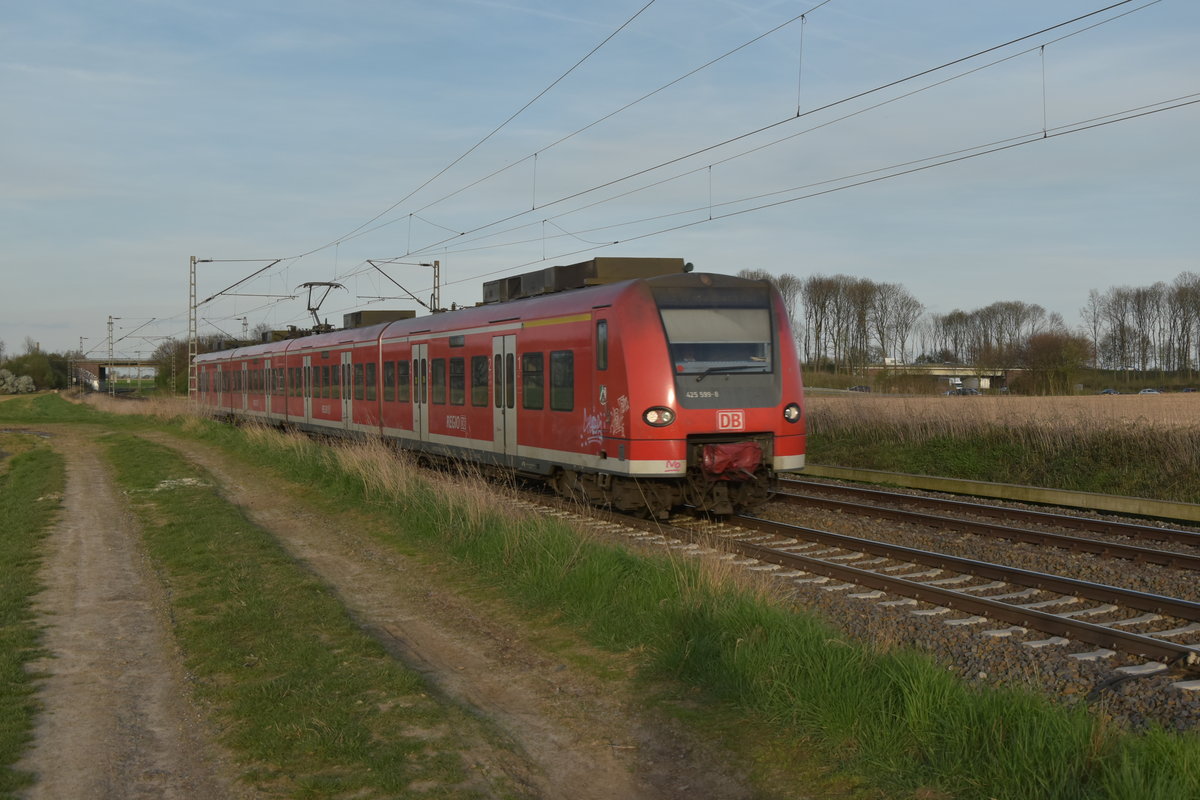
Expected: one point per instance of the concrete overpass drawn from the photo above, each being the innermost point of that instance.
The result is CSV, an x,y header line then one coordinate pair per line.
x,y
95,372
974,377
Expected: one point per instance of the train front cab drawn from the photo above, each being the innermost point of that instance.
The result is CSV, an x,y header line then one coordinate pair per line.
x,y
728,415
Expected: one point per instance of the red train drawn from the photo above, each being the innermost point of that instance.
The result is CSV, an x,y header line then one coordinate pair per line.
x,y
631,383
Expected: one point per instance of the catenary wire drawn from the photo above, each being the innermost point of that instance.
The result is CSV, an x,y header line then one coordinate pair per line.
x,y
788,120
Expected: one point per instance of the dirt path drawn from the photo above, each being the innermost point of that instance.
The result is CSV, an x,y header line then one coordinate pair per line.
x,y
116,720
579,738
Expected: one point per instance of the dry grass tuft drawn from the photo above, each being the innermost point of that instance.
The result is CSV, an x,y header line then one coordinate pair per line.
x,y
161,408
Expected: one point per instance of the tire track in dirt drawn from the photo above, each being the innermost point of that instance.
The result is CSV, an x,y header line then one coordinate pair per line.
x,y
116,719
578,738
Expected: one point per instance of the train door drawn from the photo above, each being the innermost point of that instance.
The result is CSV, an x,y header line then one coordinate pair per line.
x,y
268,387
504,394
306,380
347,389
420,395
245,386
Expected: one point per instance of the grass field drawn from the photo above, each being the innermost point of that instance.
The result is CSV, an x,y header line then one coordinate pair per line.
x,y
895,718
31,485
1140,445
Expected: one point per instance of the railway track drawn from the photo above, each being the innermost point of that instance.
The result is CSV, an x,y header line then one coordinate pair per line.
x,y
1003,522
1064,635
863,497
949,582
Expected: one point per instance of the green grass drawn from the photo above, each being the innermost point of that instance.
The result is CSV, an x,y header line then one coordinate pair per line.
x,y
30,492
1147,463
312,706
896,717
274,653
43,408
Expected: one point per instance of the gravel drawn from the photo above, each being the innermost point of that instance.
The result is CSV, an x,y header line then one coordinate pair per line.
x,y
1055,671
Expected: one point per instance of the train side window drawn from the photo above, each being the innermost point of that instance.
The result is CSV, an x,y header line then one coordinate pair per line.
x,y
358,381
335,374
479,380
403,394
602,344
372,383
510,380
496,370
562,380
437,380
533,381
389,381
458,381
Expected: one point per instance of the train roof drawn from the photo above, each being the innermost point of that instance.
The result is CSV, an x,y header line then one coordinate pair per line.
x,y
575,300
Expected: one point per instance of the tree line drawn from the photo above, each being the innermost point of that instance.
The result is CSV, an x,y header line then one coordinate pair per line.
x,y
1153,327
845,324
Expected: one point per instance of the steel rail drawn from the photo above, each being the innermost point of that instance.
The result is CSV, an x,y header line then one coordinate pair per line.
x,y
1156,603
1099,635
1166,558
1116,527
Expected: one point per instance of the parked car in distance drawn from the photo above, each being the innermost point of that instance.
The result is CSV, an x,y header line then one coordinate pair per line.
x,y
860,388
1108,391
1187,389
1149,391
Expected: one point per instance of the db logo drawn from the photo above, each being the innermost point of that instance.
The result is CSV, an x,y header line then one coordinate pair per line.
x,y
731,420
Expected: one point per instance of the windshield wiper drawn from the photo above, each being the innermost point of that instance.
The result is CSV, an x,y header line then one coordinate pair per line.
x,y
737,368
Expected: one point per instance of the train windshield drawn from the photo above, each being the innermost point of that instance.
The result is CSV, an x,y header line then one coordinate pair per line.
x,y
730,333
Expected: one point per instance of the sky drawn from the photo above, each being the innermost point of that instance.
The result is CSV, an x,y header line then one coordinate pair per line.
x,y
955,148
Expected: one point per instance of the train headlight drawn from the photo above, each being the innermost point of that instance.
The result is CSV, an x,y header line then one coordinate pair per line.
x,y
792,412
658,416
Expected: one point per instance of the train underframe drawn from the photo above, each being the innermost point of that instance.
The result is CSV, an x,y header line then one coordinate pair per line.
x,y
656,497
723,477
